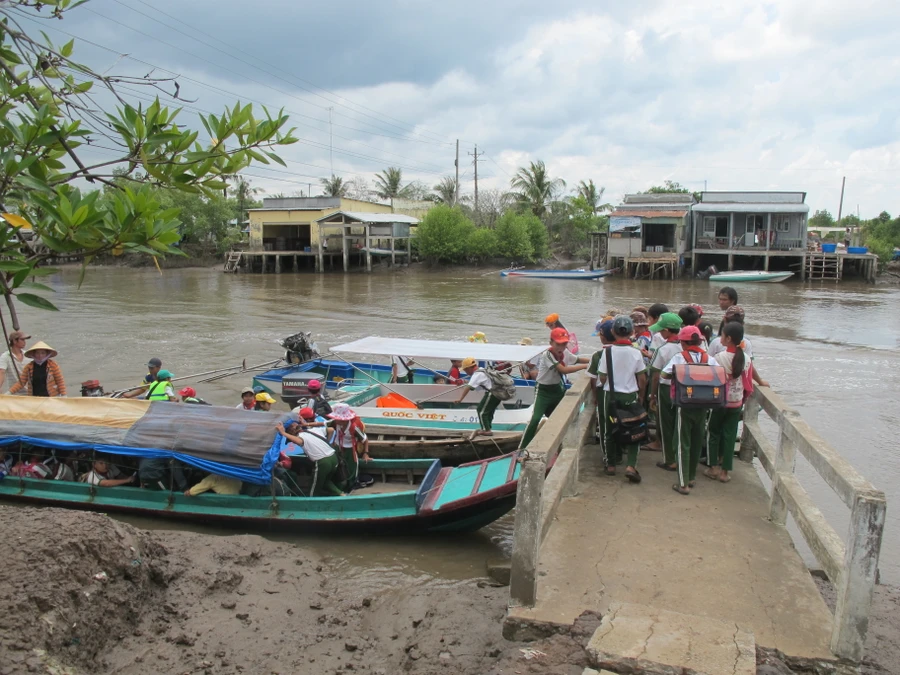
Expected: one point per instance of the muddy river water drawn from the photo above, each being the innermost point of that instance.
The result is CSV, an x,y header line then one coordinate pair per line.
x,y
830,350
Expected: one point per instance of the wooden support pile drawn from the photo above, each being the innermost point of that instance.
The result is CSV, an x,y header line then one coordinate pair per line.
x,y
823,267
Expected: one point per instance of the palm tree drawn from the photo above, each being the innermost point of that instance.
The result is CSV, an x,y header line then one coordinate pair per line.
x,y
334,186
593,195
244,193
446,190
388,184
532,187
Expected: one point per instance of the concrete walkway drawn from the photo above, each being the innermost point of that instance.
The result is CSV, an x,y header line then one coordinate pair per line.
x,y
713,554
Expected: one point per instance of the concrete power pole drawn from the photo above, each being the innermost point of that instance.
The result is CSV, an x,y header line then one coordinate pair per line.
x,y
456,164
475,156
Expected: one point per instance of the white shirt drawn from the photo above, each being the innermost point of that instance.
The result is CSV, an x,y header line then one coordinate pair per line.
x,y
547,372
627,363
657,341
400,362
734,392
94,478
678,360
12,366
480,380
315,446
661,358
716,347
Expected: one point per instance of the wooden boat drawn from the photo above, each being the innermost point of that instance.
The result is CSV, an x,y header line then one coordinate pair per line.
x,y
451,447
590,275
409,495
748,276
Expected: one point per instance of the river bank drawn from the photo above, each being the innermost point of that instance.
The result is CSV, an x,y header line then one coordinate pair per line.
x,y
84,593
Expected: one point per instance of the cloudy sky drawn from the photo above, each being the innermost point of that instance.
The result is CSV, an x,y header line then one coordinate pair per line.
x,y
741,95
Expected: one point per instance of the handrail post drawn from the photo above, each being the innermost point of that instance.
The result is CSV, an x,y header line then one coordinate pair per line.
x,y
572,443
751,414
857,582
527,532
785,459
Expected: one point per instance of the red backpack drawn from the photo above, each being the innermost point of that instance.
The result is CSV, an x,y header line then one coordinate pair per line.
x,y
698,385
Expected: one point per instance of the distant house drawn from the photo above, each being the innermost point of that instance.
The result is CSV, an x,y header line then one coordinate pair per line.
x,y
749,230
651,229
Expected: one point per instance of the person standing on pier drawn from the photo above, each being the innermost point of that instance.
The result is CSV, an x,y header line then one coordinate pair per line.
x,y
728,297
604,329
553,366
723,422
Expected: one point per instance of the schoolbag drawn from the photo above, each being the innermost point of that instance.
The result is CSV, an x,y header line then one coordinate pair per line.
x,y
698,385
503,386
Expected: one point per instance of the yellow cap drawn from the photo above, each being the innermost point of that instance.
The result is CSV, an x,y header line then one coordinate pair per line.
x,y
468,362
264,396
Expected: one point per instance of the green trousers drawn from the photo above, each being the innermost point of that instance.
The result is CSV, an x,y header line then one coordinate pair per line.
x,y
691,428
602,421
723,426
486,409
352,467
546,398
323,477
616,452
665,424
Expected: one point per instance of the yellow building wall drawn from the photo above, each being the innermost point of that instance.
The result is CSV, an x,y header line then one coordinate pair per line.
x,y
264,222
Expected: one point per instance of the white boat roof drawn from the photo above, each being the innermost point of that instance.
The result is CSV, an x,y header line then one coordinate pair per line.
x,y
441,349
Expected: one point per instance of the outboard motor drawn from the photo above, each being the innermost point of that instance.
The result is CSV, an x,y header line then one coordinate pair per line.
x,y
92,388
299,348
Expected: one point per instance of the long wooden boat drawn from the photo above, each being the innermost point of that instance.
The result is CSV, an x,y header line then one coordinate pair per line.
x,y
451,447
750,276
590,275
409,495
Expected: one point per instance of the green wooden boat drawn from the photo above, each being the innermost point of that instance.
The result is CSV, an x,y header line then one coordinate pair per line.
x,y
412,495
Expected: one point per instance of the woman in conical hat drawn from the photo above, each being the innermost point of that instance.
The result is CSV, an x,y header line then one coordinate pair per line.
x,y
41,377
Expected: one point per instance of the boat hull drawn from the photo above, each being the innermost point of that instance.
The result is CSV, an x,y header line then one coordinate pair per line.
x,y
751,277
589,275
452,448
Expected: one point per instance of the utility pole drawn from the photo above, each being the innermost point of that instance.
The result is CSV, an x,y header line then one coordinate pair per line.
x,y
331,140
475,156
841,204
456,164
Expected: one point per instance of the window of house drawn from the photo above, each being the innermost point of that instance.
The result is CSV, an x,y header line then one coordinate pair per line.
x,y
709,226
782,222
714,226
756,222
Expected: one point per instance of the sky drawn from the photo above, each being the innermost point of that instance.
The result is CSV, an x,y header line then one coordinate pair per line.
x,y
743,95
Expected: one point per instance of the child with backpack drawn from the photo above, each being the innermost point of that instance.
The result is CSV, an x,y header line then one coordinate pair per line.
x,y
623,375
656,310
667,327
495,386
723,422
604,329
690,422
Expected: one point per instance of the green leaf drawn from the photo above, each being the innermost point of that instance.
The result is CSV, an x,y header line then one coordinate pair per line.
x,y
12,266
67,49
36,286
36,301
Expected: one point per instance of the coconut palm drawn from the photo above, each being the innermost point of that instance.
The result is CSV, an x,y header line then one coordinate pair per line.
x,y
593,195
389,184
334,186
445,191
533,188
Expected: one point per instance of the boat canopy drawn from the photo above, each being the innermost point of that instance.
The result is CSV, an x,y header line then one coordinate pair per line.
x,y
226,441
441,349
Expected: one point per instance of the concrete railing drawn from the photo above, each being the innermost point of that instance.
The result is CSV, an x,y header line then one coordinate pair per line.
x,y
852,567
558,442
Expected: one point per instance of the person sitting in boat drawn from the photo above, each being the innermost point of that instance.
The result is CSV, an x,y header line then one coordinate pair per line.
x,y
161,473
478,379
33,467
552,321
189,395
400,369
41,377
162,389
318,400
528,370
454,375
321,454
221,485
248,399
264,401
350,437
312,422
104,474
154,365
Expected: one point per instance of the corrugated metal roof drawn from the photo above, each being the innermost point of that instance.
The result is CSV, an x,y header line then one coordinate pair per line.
x,y
722,207
650,214
363,217
659,198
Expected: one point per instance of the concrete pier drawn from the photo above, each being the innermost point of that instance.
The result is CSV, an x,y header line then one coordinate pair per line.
x,y
648,559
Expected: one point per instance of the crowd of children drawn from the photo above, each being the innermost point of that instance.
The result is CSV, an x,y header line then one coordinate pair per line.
x,y
643,369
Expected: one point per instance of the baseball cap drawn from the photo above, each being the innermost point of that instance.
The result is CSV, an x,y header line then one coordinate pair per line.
x,y
18,335
307,413
468,362
264,396
639,318
154,363
248,390
734,310
606,330
559,335
668,321
690,334
314,385
551,318
697,307
188,391
164,375
622,325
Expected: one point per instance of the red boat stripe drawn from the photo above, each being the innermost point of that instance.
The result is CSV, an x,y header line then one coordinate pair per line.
x,y
477,486
435,490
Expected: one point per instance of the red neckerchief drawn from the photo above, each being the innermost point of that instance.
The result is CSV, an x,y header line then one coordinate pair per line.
x,y
623,341
672,339
646,332
694,348
731,349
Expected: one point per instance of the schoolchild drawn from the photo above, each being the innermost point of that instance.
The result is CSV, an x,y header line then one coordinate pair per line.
x,y
723,422
604,329
735,314
691,317
727,297
642,335
656,310
630,379
690,423
668,326
553,366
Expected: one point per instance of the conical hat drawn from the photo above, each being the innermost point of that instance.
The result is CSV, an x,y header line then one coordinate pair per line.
x,y
41,345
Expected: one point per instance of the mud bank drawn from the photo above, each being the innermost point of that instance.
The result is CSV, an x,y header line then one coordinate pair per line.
x,y
83,593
